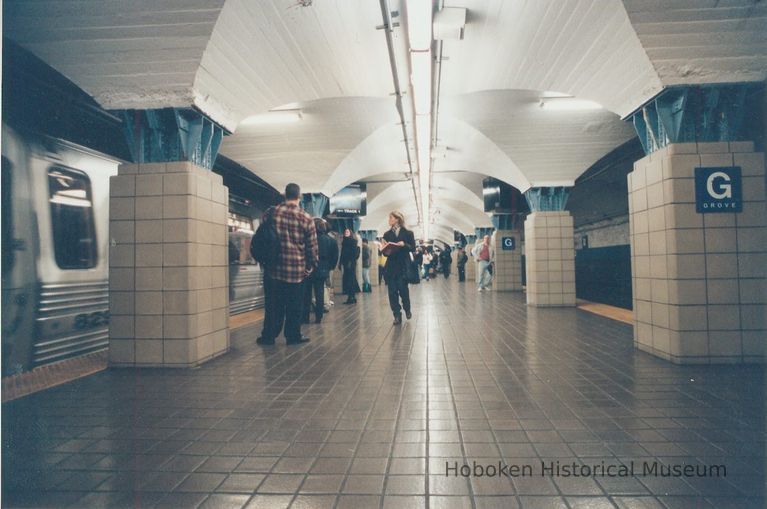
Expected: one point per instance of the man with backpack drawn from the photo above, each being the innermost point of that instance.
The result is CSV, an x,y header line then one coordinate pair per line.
x,y
286,246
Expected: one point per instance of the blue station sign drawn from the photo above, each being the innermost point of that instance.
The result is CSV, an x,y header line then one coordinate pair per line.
x,y
718,190
508,243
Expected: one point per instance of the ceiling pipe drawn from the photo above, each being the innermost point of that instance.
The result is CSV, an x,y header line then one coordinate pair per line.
x,y
388,28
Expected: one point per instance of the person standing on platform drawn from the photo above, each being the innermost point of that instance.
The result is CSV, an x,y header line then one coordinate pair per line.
x,y
485,254
328,256
398,243
366,287
427,258
381,265
283,282
350,251
418,258
446,260
461,264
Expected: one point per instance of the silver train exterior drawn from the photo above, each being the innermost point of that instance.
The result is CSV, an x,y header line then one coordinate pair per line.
x,y
55,249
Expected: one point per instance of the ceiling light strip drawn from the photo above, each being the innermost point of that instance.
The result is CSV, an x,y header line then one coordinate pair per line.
x,y
419,23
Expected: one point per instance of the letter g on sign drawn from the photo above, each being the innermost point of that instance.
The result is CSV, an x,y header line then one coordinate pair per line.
x,y
725,188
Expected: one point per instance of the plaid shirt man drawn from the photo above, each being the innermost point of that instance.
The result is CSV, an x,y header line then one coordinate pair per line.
x,y
298,240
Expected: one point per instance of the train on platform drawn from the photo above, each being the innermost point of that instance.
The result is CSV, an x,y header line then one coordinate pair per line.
x,y
55,256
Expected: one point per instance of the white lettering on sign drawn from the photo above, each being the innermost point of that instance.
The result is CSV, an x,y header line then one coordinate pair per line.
x,y
725,189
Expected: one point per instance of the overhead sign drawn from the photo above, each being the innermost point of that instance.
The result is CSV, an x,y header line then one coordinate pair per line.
x,y
718,190
508,243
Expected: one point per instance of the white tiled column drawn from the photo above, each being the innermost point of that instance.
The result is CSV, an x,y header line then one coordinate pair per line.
x,y
507,275
168,277
550,259
698,279
471,265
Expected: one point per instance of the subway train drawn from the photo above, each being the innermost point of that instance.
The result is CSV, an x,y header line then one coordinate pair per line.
x,y
55,248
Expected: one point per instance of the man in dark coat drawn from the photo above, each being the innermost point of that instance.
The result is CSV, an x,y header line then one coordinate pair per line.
x,y
398,242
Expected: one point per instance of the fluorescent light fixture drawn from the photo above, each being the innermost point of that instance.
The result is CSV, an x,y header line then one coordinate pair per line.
x,y
273,117
568,104
419,30
419,19
420,79
423,146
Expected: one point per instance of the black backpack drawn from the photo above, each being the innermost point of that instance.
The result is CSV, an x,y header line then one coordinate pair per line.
x,y
265,244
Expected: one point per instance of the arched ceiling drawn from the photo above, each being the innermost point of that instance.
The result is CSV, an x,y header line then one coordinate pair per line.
x,y
235,59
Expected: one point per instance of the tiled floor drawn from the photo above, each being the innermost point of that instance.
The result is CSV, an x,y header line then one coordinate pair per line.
x,y
367,415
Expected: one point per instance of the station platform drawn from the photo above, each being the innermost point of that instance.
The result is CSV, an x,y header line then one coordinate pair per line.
x,y
373,415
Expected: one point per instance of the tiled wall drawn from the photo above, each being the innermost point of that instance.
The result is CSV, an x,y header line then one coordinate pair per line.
x,y
698,279
550,259
168,273
471,265
507,275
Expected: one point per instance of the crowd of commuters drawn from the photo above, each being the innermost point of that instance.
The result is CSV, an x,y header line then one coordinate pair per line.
x,y
297,277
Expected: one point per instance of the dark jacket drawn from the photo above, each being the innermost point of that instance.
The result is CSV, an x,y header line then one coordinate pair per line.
x,y
328,251
349,254
396,263
462,259
365,256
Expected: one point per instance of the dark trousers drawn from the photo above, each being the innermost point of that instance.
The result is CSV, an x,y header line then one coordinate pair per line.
x,y
397,287
283,303
461,273
316,285
381,273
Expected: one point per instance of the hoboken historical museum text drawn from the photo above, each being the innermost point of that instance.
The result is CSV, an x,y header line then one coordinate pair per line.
x,y
572,469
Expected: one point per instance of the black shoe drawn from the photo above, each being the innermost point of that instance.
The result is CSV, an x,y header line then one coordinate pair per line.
x,y
408,315
262,341
397,319
303,339
349,301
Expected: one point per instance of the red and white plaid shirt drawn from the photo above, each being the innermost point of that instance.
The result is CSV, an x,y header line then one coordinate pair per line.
x,y
298,238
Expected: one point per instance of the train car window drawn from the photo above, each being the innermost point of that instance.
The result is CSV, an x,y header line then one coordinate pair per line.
x,y
74,233
6,188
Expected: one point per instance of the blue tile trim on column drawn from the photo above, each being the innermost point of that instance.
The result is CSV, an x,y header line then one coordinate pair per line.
x,y
484,230
314,204
172,134
369,235
339,224
542,199
508,221
696,113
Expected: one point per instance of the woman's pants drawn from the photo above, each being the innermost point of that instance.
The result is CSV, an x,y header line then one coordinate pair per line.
x,y
484,270
381,273
366,275
398,288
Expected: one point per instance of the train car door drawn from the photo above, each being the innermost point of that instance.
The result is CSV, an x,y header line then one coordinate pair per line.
x,y
19,252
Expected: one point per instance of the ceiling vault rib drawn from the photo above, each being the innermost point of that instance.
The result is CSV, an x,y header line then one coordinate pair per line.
x,y
388,29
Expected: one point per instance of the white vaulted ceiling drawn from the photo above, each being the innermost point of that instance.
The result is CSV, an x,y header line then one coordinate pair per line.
x,y
235,59
702,41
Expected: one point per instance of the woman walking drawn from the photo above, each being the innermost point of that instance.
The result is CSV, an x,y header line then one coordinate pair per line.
x,y
398,243
348,263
